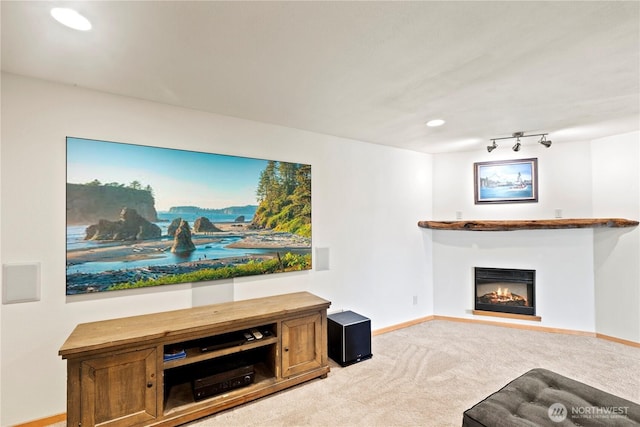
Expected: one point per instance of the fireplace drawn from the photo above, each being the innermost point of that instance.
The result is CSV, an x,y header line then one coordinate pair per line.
x,y
505,290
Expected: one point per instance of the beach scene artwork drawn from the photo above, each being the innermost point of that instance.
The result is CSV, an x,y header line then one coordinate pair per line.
x,y
506,181
141,216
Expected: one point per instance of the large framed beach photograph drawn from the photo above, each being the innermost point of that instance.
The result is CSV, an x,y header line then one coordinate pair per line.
x,y
140,216
506,181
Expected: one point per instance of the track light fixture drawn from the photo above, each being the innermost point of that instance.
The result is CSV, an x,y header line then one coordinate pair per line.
x,y
518,144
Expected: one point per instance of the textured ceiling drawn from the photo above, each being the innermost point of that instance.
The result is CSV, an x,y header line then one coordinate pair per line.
x,y
372,71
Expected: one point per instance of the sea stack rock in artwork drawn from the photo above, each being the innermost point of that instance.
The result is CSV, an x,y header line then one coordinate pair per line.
x,y
203,225
171,230
130,226
240,219
182,242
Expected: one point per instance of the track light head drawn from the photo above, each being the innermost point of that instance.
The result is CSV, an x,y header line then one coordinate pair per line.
x,y
492,147
544,141
517,145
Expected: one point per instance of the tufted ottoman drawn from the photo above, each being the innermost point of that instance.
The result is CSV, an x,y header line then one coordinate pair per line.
x,y
544,398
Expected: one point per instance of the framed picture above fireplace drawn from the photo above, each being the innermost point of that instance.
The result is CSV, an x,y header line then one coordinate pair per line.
x,y
506,181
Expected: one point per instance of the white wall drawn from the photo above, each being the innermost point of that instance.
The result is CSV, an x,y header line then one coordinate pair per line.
x,y
564,182
616,185
366,202
562,259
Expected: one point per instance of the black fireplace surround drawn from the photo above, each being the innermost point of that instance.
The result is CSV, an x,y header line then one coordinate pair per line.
x,y
505,290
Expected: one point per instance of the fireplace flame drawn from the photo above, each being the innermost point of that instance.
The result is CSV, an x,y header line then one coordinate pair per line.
x,y
504,296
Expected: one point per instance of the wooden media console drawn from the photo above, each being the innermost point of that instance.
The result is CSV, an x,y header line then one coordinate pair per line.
x,y
118,373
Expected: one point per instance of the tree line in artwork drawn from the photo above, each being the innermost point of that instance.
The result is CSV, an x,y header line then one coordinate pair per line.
x,y
135,185
284,196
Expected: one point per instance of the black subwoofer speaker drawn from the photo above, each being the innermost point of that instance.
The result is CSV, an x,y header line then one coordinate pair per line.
x,y
349,336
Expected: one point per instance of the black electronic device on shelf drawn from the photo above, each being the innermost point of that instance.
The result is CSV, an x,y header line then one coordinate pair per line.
x,y
218,342
226,380
223,374
215,376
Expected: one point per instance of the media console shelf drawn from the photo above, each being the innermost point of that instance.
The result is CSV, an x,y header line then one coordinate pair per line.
x,y
117,374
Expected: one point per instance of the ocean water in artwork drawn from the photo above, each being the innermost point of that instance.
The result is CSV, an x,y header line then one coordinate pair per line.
x,y
211,250
507,192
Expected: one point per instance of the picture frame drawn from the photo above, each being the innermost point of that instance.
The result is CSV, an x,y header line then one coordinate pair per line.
x,y
506,181
141,216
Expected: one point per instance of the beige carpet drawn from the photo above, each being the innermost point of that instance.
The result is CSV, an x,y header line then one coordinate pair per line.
x,y
429,374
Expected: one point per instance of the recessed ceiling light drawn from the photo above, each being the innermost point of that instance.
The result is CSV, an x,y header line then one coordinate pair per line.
x,y
435,123
71,18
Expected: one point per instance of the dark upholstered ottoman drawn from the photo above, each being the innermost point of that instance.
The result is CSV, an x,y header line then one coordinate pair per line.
x,y
544,398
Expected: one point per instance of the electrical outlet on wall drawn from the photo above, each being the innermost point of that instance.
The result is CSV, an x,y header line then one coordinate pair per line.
x,y
415,300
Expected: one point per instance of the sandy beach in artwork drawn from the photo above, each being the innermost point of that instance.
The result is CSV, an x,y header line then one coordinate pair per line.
x,y
156,248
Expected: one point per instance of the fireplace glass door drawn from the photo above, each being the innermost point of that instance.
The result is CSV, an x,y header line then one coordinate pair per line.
x,y
505,290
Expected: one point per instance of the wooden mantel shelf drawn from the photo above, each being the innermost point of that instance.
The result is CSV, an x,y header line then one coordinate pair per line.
x,y
528,224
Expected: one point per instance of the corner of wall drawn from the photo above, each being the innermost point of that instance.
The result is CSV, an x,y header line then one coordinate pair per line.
x,y
616,193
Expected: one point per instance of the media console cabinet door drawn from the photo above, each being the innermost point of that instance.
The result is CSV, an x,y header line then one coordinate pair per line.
x,y
301,344
119,389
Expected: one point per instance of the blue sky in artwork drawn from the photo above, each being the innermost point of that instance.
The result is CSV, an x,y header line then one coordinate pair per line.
x,y
178,177
507,171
